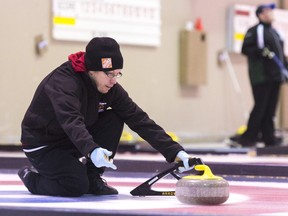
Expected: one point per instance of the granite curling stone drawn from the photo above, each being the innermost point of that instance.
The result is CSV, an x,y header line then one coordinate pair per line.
x,y
206,189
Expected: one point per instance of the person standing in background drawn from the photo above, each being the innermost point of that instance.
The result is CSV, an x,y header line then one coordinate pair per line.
x,y
263,46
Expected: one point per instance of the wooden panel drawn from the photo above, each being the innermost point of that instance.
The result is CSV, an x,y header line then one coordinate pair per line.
x,y
193,58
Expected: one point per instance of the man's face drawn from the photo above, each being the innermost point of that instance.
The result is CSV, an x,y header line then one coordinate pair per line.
x,y
104,81
267,15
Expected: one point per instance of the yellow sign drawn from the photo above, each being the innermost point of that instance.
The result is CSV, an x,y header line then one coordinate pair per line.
x,y
64,20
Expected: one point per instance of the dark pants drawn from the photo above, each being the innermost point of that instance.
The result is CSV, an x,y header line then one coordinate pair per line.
x,y
261,121
60,171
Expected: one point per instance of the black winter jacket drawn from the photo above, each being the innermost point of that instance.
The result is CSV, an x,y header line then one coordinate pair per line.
x,y
66,103
263,69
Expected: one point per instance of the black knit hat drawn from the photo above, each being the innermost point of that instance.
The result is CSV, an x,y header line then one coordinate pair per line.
x,y
103,54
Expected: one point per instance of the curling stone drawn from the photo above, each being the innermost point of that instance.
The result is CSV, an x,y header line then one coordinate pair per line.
x,y
205,189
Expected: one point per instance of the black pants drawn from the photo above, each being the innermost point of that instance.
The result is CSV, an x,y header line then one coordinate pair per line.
x,y
60,171
261,120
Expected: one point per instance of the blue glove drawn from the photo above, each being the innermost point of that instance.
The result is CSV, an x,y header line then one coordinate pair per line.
x,y
100,158
184,157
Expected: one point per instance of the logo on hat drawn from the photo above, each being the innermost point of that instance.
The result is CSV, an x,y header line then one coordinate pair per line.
x,y
106,63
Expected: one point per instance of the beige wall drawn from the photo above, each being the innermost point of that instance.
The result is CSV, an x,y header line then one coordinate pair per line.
x,y
150,75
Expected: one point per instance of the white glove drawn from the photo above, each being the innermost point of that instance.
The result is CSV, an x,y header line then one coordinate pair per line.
x,y
100,158
267,53
184,157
